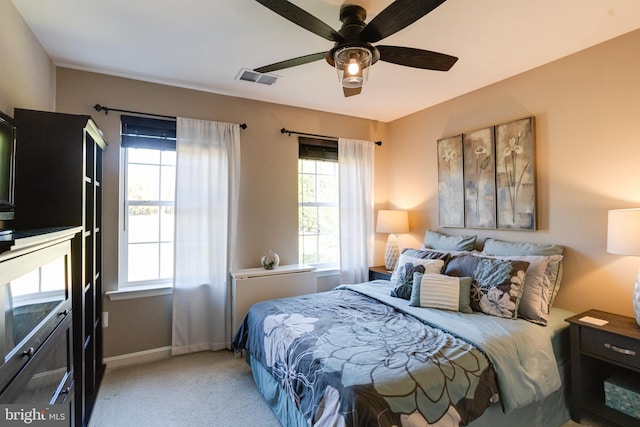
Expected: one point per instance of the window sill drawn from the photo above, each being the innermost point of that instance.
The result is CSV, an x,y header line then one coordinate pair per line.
x,y
132,292
327,271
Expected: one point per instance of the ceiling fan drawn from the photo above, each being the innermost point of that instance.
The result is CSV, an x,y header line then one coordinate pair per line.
x,y
353,52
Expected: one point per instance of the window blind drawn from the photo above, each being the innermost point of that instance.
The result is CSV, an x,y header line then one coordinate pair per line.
x,y
143,132
317,149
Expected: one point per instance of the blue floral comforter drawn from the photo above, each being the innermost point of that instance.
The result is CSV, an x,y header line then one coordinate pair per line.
x,y
346,358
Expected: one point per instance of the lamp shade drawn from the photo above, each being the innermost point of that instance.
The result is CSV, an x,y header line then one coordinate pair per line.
x,y
392,221
623,232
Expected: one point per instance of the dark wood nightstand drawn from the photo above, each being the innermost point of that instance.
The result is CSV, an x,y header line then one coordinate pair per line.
x,y
379,273
597,353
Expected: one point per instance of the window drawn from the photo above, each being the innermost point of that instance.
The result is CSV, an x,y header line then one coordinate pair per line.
x,y
318,201
149,166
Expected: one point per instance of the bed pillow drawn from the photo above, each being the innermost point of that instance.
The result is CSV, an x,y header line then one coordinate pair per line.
x,y
505,248
534,303
554,272
402,277
441,291
497,286
463,265
554,268
426,253
444,251
435,240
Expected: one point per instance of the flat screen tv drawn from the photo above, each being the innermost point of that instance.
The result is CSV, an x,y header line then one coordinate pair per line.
x,y
7,170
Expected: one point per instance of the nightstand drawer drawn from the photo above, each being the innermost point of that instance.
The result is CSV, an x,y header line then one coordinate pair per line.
x,y
619,349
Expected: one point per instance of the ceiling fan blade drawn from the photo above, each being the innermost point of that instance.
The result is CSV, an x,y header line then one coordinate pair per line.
x,y
302,18
350,91
396,16
293,62
416,58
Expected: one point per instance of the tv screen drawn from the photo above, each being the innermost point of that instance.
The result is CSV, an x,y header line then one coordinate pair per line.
x,y
7,164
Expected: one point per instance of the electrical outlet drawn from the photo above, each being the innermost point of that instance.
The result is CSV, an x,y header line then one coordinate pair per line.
x,y
105,319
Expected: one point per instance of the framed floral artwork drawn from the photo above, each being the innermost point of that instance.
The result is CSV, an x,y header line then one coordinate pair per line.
x,y
515,175
479,179
450,182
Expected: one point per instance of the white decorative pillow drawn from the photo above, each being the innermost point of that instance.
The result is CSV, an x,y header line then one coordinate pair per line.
x,y
442,292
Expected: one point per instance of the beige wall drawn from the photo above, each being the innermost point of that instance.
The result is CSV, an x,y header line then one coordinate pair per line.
x,y
268,190
27,75
587,112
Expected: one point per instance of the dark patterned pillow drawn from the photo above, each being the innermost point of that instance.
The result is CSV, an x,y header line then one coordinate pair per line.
x,y
497,286
462,265
402,277
426,254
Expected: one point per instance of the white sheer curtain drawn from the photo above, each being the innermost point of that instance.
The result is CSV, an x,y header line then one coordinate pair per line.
x,y
206,205
356,158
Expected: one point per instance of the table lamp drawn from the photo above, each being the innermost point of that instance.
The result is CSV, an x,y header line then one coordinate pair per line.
x,y
623,238
392,222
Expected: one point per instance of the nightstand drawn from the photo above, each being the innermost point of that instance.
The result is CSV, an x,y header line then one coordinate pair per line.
x,y
598,353
379,273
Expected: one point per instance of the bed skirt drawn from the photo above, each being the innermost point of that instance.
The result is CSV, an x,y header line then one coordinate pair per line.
x,y
551,411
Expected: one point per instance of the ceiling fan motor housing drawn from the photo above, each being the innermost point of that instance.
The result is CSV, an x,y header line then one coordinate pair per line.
x,y
352,18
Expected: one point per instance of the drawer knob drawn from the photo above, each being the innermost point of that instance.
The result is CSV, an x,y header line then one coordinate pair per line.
x,y
620,350
29,352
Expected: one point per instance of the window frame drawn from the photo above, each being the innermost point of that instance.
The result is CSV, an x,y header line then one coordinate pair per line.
x,y
162,140
319,150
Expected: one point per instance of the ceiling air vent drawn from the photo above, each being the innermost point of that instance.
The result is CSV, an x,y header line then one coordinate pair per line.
x,y
254,76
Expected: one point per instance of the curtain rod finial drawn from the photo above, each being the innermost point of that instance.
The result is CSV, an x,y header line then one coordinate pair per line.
x,y
243,125
99,107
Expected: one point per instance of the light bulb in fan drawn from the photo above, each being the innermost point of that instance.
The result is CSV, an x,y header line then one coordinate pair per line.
x,y
353,68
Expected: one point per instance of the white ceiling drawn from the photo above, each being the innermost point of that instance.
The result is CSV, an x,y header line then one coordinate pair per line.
x,y
203,44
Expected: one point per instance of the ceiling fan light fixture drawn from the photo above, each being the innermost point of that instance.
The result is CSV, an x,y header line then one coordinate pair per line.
x,y
352,65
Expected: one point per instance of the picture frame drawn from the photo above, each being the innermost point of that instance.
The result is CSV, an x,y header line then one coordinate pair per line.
x,y
479,178
450,182
516,175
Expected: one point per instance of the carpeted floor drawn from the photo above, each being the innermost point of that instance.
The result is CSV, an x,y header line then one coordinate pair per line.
x,y
195,390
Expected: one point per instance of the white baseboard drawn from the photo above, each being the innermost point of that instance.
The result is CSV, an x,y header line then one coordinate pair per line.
x,y
139,357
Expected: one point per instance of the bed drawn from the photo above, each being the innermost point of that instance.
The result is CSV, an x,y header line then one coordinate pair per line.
x,y
375,353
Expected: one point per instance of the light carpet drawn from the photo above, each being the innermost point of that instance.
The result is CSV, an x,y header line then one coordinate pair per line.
x,y
196,390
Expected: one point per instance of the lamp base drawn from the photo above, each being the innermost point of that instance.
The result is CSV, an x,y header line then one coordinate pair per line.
x,y
391,253
636,298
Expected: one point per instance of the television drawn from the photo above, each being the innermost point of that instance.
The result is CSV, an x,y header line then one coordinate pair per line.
x,y
7,171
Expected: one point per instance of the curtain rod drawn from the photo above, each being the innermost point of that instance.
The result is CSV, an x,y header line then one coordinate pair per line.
x,y
106,110
290,132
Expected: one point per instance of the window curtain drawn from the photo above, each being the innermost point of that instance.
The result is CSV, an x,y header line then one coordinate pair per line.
x,y
206,204
356,160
